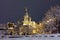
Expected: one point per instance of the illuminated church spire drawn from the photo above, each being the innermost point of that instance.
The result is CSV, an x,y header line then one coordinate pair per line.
x,y
27,19
26,16
26,12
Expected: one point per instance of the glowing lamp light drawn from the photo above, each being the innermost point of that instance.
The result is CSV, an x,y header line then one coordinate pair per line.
x,y
34,31
10,28
48,21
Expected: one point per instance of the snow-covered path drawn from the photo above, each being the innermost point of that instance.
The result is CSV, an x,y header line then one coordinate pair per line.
x,y
33,38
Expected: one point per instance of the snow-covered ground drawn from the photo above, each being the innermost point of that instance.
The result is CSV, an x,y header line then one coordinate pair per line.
x,y
35,37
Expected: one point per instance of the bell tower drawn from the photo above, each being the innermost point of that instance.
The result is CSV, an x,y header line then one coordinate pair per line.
x,y
27,19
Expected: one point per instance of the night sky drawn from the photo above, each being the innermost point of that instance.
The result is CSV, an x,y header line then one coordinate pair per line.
x,y
13,10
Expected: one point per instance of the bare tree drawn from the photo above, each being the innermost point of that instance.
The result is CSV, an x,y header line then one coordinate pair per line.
x,y
51,19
